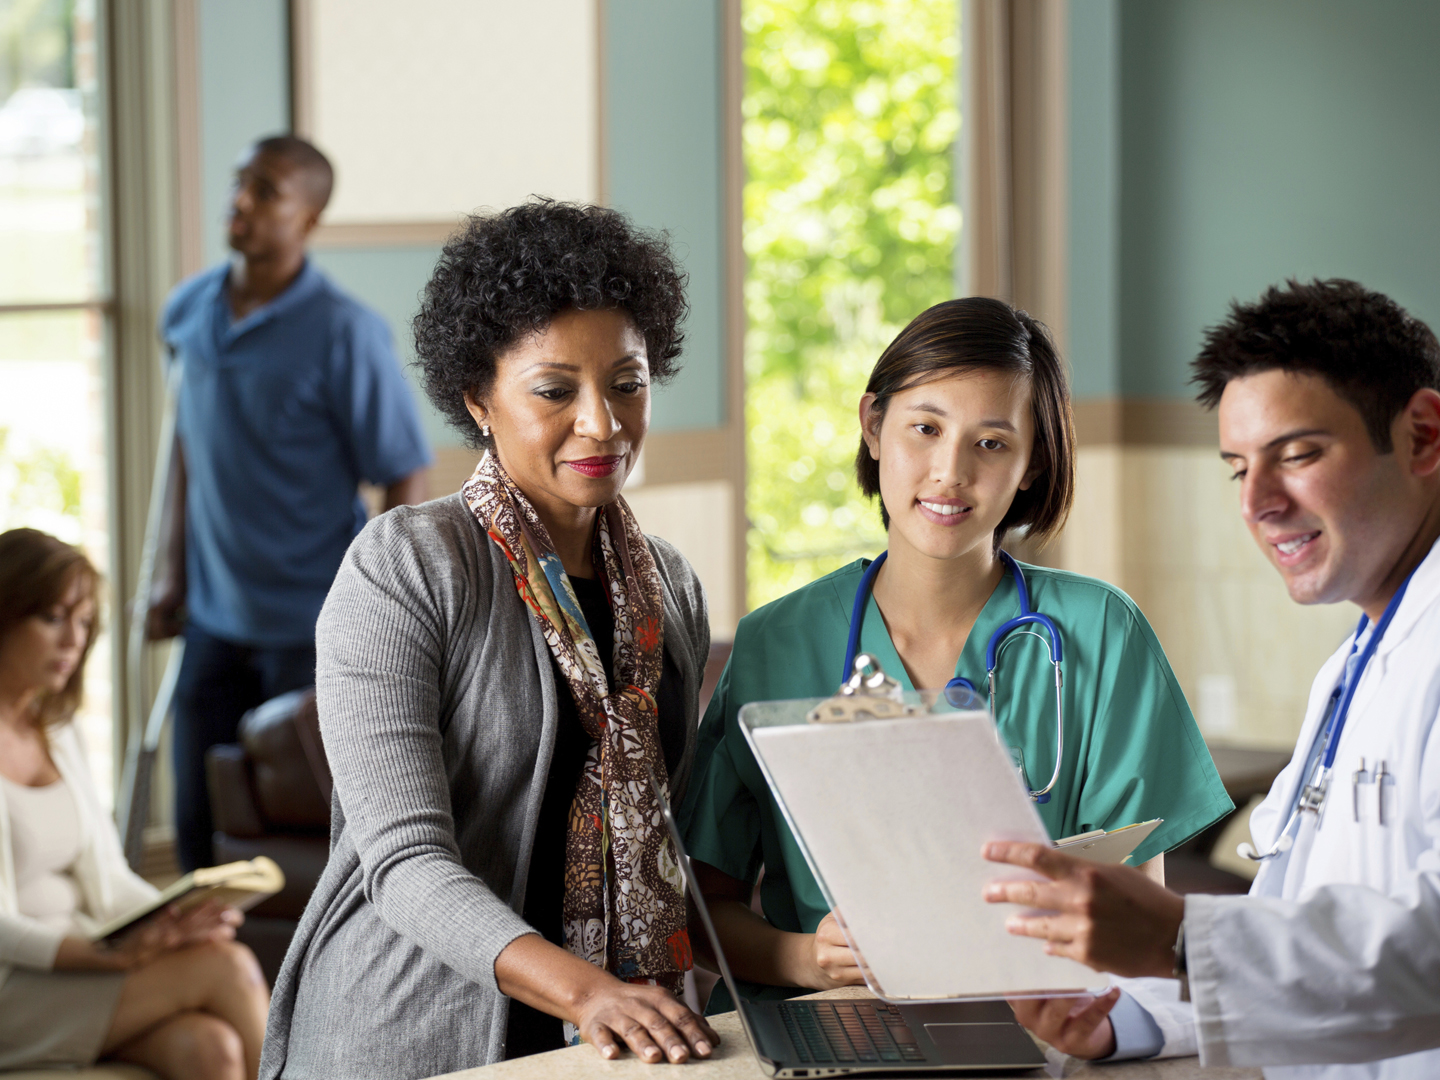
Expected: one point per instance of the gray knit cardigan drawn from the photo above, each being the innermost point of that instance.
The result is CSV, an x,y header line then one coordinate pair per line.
x,y
438,710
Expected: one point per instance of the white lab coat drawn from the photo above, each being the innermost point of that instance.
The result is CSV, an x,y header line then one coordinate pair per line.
x,y
1330,968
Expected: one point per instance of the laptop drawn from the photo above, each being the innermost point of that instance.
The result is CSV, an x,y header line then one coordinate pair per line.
x,y
866,1036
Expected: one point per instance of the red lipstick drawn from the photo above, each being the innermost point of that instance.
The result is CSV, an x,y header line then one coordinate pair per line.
x,y
596,468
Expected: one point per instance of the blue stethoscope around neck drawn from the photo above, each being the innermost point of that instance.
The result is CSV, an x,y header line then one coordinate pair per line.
x,y
1312,796
998,640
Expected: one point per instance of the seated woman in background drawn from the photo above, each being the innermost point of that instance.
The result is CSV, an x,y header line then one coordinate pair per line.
x,y
177,995
499,673
965,435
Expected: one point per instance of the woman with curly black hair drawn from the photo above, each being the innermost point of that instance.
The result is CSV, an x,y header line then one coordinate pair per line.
x,y
498,674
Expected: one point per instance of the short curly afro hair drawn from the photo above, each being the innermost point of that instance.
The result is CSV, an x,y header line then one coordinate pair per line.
x,y
506,275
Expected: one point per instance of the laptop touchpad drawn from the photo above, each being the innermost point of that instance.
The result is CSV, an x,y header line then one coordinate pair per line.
x,y
989,1043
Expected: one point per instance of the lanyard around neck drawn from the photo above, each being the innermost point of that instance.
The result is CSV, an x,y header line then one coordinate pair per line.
x,y
1345,688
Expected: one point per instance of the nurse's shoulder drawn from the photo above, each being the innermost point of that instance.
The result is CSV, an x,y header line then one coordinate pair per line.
x,y
1083,604
795,646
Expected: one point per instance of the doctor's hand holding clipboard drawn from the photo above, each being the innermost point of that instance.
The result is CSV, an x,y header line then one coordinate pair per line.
x,y
1329,402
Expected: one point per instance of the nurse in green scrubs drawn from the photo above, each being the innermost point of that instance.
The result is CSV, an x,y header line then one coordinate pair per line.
x,y
966,434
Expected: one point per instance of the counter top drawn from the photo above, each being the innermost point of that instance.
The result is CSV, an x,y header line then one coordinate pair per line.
x,y
733,1060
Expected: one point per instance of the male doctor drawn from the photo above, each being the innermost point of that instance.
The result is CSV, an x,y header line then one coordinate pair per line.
x,y
1329,399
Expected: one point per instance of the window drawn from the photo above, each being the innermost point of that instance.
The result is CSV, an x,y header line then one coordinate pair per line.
x,y
850,118
53,330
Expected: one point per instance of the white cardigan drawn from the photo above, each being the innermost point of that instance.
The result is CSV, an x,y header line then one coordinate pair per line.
x,y
108,887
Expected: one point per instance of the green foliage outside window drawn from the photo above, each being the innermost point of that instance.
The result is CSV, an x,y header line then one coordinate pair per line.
x,y
850,120
40,488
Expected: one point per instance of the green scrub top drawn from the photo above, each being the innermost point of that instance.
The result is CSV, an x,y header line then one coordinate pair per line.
x,y
1132,749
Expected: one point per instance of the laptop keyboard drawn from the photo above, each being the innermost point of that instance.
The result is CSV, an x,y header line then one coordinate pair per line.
x,y
829,1032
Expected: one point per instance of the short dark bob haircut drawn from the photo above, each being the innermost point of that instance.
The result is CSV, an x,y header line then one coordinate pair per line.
x,y
507,275
979,333
1373,353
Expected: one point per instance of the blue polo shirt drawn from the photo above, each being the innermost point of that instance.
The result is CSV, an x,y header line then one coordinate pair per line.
x,y
281,416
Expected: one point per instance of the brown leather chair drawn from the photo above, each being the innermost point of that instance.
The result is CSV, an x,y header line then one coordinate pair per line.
x,y
270,795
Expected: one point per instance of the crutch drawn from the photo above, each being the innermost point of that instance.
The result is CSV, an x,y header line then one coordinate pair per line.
x,y
144,731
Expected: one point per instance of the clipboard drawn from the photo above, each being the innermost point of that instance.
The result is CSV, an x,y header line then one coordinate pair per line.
x,y
1115,846
891,812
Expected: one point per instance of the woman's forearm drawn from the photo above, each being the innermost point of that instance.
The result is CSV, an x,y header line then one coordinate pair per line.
x,y
78,954
605,1010
547,977
759,952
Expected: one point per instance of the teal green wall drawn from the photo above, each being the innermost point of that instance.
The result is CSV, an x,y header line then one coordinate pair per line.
x,y
662,128
1094,207
1257,140
389,280
663,150
244,71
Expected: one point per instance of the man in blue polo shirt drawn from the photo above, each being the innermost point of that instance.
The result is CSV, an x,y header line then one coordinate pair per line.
x,y
290,396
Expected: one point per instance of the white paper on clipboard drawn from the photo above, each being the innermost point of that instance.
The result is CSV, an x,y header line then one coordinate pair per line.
x,y
891,815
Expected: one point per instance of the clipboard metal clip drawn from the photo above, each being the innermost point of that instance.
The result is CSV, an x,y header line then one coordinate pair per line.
x,y
863,696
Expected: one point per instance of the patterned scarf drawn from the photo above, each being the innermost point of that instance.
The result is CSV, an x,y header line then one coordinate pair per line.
x,y
624,905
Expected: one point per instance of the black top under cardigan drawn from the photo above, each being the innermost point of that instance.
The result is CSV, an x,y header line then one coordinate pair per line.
x,y
528,1030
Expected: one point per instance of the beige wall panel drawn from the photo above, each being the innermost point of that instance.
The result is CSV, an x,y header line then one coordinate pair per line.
x,y
433,108
453,466
1163,523
1091,541
696,519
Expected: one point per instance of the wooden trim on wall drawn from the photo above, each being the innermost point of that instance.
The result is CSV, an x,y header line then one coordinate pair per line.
x,y
732,158
189,187
1039,166
383,234
1145,422
43,307
141,217
302,87
1014,155
986,243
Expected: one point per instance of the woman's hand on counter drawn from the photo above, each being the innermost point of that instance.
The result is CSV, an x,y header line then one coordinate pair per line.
x,y
647,1018
607,1012
1079,1026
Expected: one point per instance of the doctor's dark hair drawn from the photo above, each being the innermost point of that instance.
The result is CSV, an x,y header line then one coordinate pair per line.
x,y
506,275
976,333
1371,351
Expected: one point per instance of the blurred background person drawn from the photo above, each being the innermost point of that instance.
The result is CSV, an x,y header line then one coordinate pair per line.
x,y
176,995
290,396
